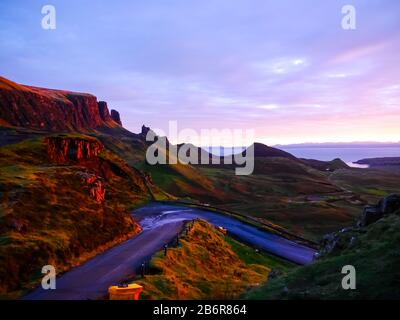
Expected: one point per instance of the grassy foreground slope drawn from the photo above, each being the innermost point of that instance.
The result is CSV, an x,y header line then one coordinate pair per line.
x,y
207,265
374,252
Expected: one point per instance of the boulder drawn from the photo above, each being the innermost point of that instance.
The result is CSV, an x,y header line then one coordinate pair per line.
x,y
370,215
329,243
390,204
94,184
385,206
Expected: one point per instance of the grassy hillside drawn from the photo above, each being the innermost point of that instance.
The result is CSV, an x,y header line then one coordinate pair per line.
x,y
300,195
375,255
332,165
206,265
370,184
170,180
48,214
288,193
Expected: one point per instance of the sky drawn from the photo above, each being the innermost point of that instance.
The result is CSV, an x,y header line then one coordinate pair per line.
x,y
285,69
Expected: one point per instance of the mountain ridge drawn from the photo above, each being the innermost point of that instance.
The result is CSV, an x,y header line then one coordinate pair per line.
x,y
52,110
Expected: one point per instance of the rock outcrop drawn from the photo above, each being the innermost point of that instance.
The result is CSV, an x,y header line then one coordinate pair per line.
x,y
51,110
145,130
85,152
103,111
94,184
334,241
347,237
62,149
385,206
115,117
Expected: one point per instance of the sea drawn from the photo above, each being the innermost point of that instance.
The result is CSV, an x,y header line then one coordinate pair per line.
x,y
347,154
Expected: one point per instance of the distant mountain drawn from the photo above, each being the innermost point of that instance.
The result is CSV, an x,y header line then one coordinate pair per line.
x,y
367,144
333,165
52,110
262,150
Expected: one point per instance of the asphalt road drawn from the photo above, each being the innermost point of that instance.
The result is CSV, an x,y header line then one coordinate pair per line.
x,y
156,215
161,224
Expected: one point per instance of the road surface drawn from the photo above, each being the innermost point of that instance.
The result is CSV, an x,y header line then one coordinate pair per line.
x,y
161,223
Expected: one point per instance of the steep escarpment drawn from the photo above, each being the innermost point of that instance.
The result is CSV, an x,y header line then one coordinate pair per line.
x,y
51,110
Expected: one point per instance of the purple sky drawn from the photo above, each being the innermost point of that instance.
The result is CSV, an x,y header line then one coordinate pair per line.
x,y
283,68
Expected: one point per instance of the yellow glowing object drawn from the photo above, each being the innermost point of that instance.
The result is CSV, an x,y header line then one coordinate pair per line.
x,y
129,292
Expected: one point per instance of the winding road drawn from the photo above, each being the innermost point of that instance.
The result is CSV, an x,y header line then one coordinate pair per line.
x,y
161,223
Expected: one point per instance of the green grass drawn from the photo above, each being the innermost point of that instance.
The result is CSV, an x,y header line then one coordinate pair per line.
x,y
276,191
250,256
376,192
369,184
4,240
162,176
204,266
375,257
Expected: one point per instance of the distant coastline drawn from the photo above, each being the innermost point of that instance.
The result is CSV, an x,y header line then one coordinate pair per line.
x,y
340,145
348,154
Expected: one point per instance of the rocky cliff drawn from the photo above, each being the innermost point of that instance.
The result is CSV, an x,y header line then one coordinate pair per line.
x,y
100,167
51,110
64,149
